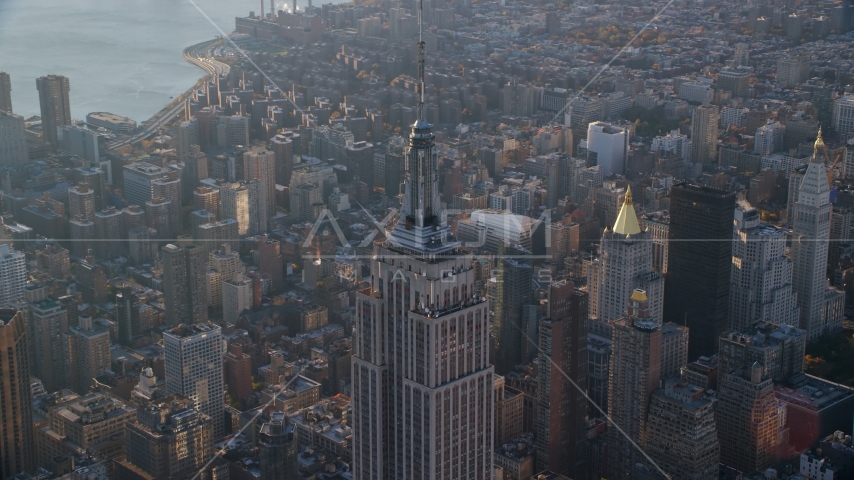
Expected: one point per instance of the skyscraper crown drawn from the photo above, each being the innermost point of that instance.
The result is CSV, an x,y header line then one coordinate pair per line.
x,y
422,228
627,220
819,147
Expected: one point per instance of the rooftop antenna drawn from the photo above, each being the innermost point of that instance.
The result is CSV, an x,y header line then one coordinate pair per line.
x,y
294,10
420,60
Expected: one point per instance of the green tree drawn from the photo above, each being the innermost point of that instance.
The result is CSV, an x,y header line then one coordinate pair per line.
x,y
831,357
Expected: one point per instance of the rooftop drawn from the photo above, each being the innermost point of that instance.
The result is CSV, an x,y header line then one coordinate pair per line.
x,y
146,168
110,117
92,408
518,448
95,331
190,330
689,395
669,329
762,334
645,325
816,394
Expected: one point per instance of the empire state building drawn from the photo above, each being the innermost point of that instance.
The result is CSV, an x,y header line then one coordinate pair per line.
x,y
422,380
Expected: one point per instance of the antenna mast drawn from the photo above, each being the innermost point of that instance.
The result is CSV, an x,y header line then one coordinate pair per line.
x,y
420,110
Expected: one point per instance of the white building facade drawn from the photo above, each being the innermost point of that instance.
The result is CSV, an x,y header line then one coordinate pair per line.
x,y
611,144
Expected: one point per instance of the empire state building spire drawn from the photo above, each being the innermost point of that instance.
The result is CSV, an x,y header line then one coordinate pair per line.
x,y
422,383
420,110
422,227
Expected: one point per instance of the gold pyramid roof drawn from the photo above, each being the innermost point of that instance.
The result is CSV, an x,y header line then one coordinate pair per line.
x,y
639,295
627,220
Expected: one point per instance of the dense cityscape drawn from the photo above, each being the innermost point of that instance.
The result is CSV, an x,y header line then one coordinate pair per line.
x,y
425,239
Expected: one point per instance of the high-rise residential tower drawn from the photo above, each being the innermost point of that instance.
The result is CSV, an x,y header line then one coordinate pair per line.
x,y
13,139
681,436
109,225
49,323
748,419
283,149
13,276
511,330
561,406
128,314
238,371
184,283
95,178
168,187
270,259
277,448
704,134
194,369
88,353
699,263
761,285
626,264
259,164
55,106
186,135
17,445
224,264
207,198
5,92
235,199
422,400
81,201
820,305
634,375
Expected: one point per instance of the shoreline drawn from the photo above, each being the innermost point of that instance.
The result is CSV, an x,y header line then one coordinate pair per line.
x,y
166,115
211,66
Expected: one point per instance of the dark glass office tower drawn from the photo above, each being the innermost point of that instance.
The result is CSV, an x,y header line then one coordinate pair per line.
x,y
696,290
560,408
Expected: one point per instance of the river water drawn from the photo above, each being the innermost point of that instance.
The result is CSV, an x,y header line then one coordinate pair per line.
x,y
120,56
